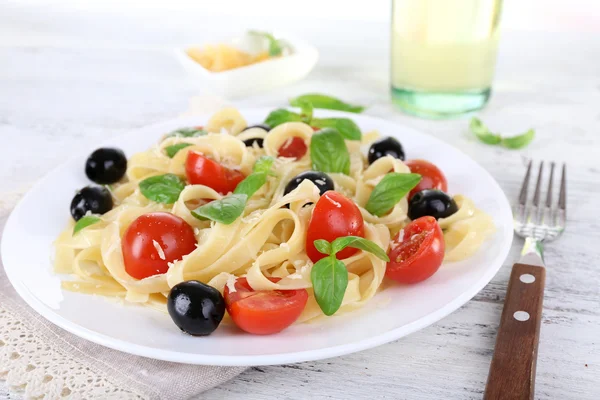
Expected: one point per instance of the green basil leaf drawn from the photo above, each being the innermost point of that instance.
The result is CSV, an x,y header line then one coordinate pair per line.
x,y
329,278
328,152
486,136
84,222
306,111
251,184
483,133
389,191
162,188
275,46
254,181
281,116
345,126
225,210
358,243
326,102
187,132
263,164
174,148
520,141
323,246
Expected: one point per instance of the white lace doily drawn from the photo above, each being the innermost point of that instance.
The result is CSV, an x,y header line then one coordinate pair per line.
x,y
41,370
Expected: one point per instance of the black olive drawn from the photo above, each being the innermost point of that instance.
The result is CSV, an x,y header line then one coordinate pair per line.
x,y
320,179
387,146
261,126
106,165
251,141
94,199
434,203
195,307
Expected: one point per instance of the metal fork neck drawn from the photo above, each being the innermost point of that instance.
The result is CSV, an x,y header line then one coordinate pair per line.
x,y
533,252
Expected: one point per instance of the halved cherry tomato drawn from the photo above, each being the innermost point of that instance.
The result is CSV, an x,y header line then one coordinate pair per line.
x,y
416,252
334,216
263,312
293,148
151,232
201,170
431,176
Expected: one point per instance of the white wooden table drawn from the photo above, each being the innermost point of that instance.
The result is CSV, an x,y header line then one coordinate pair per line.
x,y
68,80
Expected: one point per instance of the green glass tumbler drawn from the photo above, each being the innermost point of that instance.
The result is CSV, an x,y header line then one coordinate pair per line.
x,y
443,55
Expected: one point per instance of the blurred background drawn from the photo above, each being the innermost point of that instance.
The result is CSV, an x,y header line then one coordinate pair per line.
x,y
103,67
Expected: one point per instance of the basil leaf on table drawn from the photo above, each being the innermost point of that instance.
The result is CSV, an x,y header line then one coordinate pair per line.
x,y
281,116
519,141
483,133
360,243
329,278
326,102
348,129
187,132
389,191
225,210
174,148
275,46
162,188
84,222
486,136
328,152
323,246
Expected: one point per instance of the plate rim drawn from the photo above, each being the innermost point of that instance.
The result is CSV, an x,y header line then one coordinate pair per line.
x,y
252,360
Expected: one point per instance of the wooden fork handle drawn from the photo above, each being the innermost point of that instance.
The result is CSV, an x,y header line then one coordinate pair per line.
x,y
512,372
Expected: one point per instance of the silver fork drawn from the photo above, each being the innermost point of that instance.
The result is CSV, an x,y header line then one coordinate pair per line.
x,y
512,372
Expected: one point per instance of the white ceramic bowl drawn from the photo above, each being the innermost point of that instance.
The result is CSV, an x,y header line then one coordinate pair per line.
x,y
257,77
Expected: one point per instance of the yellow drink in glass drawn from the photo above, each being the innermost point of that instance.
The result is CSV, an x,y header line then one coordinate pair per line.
x,y
443,55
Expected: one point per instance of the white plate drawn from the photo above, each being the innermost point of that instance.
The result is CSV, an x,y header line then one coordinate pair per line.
x,y
257,77
393,313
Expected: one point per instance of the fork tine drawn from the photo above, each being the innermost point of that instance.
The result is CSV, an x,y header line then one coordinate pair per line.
x,y
536,194
549,195
525,185
562,198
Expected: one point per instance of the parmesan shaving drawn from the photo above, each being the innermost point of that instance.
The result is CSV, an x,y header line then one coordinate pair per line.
x,y
231,283
159,250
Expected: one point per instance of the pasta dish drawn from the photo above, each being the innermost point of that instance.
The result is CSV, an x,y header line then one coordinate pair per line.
x,y
271,224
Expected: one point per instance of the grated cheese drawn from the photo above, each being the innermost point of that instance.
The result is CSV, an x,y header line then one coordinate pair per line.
x,y
159,250
395,243
231,283
335,203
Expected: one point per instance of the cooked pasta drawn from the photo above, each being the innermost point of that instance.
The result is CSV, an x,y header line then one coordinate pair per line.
x,y
268,240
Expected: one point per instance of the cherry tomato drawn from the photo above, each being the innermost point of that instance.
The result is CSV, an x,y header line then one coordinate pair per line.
x,y
417,251
263,312
431,176
151,232
334,216
293,148
201,170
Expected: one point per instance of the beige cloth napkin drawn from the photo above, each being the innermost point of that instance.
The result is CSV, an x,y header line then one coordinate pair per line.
x,y
44,361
